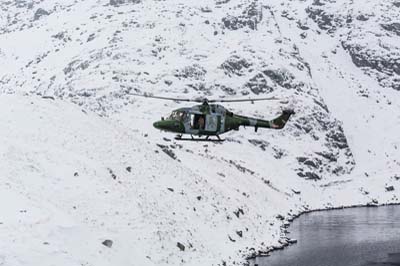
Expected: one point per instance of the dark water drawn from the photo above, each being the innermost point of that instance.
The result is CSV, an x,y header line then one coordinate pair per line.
x,y
349,237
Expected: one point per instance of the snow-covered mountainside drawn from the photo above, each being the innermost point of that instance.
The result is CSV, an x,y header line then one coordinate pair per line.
x,y
81,162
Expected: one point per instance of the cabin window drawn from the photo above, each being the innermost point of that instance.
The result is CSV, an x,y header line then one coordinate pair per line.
x,y
197,121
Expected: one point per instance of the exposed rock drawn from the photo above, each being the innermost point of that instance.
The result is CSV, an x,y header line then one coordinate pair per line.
x,y
121,2
362,17
194,71
259,84
220,2
113,175
389,188
206,9
385,64
48,97
235,65
260,143
75,65
297,192
319,16
24,3
311,163
167,151
180,246
309,175
302,26
62,36
317,3
373,203
227,90
337,138
301,159
324,20
233,23
362,58
108,243
363,191
250,17
240,167
91,37
282,77
329,156
392,27
40,13
278,153
239,212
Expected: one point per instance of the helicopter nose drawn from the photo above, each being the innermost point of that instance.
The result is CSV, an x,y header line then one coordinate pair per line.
x,y
163,125
157,125
168,125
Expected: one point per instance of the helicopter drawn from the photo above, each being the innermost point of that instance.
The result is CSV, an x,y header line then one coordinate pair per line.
x,y
210,119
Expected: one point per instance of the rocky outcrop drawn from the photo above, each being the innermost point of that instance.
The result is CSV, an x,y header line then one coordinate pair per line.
x,y
250,18
122,2
40,13
325,20
235,66
385,67
392,27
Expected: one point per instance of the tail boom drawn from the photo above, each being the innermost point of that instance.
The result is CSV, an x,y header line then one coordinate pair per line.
x,y
277,123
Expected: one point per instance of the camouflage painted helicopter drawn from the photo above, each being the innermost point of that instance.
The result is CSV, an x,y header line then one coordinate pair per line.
x,y
210,119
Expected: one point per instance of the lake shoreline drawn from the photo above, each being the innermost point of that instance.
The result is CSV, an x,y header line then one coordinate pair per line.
x,y
285,241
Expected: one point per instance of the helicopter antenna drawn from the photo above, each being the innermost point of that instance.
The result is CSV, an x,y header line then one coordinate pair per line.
x,y
205,100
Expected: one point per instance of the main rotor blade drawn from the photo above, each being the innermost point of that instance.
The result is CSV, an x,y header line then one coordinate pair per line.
x,y
205,100
244,100
167,98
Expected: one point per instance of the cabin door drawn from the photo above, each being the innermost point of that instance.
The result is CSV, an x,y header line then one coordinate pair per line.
x,y
212,123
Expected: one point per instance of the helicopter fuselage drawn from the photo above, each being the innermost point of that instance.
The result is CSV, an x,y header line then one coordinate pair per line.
x,y
213,120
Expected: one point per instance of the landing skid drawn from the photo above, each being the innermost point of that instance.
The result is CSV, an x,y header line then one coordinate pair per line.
x,y
192,138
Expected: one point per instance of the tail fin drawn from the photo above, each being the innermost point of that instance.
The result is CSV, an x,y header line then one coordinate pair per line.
x,y
280,121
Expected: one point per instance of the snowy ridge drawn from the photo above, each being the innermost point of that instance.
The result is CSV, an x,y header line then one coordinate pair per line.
x,y
88,166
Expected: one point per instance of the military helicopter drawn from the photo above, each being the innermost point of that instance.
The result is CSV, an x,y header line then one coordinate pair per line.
x,y
209,119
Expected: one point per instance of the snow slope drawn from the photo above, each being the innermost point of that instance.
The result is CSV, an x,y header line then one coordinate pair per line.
x,y
88,166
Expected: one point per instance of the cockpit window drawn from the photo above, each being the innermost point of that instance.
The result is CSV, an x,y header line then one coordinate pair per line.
x,y
177,115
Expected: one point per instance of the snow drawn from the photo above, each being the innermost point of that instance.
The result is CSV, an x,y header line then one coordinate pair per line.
x,y
88,165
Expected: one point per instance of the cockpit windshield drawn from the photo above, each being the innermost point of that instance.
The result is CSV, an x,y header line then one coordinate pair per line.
x,y
177,115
